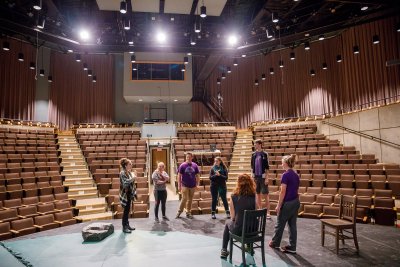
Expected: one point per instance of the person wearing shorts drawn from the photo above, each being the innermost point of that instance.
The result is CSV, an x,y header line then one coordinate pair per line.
x,y
259,169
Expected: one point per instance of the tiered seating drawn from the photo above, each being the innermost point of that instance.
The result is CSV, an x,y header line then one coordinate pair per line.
x,y
327,169
198,140
103,149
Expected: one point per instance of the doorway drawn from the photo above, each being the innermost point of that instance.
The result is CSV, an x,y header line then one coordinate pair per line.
x,y
159,155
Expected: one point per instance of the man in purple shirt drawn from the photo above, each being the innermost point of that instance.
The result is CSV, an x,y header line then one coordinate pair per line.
x,y
188,177
259,167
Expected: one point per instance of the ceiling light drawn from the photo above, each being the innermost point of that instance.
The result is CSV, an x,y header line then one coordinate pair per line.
x,y
356,50
78,58
312,73
85,67
256,82
228,69
37,4
263,77
50,79
271,71
275,18
89,73
232,39
32,65
175,100
192,40
183,68
324,66
122,7
243,55
338,58
84,34
130,42
203,11
364,7
398,27
131,52
41,72
20,57
185,60
40,22
189,54
70,51
269,33
292,56
321,37
375,39
223,76
197,26
94,78
161,37
307,46
6,46
280,63
134,67
133,58
140,100
218,81
235,62
127,25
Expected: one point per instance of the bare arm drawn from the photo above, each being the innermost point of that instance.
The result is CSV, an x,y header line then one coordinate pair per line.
x,y
179,181
232,209
197,179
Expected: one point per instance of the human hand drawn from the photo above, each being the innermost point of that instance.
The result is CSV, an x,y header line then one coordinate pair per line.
x,y
217,173
277,210
266,182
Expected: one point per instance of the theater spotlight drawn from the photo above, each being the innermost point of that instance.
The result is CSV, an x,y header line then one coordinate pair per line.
x,y
223,76
356,50
292,56
218,81
21,57
324,66
307,46
338,58
263,77
6,46
41,72
122,7
40,22
192,40
235,62
32,65
185,60
94,78
78,58
127,25
203,11
271,71
50,79
232,40
228,69
89,73
161,37
84,34
275,18
312,73
133,58
375,39
37,4
280,63
256,82
85,66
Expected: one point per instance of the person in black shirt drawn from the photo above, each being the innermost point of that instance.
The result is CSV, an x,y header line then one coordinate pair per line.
x,y
218,177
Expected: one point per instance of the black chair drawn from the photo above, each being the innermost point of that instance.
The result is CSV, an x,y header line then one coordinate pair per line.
x,y
252,232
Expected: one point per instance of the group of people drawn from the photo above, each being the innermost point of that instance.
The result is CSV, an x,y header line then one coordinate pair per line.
x,y
248,194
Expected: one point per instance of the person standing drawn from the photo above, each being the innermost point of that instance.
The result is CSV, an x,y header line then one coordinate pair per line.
x,y
288,206
218,177
243,198
127,192
188,178
259,167
160,178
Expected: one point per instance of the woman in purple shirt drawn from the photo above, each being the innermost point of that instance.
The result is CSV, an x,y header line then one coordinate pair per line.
x,y
288,206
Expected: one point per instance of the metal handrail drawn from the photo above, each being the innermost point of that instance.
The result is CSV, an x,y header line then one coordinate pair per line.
x,y
377,139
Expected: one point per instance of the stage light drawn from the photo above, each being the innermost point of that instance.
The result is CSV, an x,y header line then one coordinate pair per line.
x,y
130,42
78,58
218,81
256,82
175,100
183,68
235,62
338,58
189,54
21,57
161,37
269,33
84,34
140,100
50,79
263,77
228,69
203,11
40,22
192,40
280,63
307,46
364,7
321,37
232,40
356,50
185,60
133,58
375,39
398,27
292,56
275,18
324,66
32,65
70,51
223,76
37,4
312,73
122,7
271,71
41,72
197,26
94,78
127,25
6,46
85,67
131,52
89,73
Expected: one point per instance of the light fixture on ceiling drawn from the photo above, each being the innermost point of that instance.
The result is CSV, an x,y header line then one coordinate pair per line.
x,y
183,69
185,60
175,100
134,67
269,33
89,73
85,66
133,58
244,55
339,58
161,37
37,4
364,7
232,39
375,39
193,40
94,79
280,63
356,50
324,66
275,18
78,58
263,77
197,26
271,71
398,27
312,72
50,79
218,81
256,82
228,69
70,51
140,100
32,65
41,72
321,37
223,76
130,42
203,11
6,46
127,24
84,34
292,56
307,45
235,62
123,7
189,54
20,56
131,52
40,22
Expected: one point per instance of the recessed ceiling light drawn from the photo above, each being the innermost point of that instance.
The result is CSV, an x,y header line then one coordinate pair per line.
x,y
70,51
140,100
244,55
363,8
175,100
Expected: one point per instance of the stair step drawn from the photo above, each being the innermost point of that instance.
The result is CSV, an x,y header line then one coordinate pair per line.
x,y
82,191
76,176
83,196
96,217
91,202
76,171
92,211
74,165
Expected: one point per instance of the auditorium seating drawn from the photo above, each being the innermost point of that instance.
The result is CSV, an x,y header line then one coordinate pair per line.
x,y
328,169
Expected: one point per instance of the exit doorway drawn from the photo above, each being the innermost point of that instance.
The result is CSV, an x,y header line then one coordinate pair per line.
x,y
159,155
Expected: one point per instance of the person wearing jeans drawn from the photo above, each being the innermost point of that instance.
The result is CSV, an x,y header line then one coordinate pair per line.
x,y
288,206
218,177
188,178
160,178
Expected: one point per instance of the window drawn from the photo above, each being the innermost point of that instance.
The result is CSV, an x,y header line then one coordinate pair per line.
x,y
158,71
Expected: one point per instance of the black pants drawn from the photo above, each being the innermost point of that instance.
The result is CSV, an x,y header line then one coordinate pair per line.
x,y
160,196
127,208
229,227
221,191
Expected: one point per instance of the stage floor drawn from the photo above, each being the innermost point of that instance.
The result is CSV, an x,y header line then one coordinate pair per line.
x,y
197,242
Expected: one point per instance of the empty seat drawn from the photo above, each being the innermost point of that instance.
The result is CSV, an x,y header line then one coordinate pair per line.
x,y
205,206
23,227
324,200
28,211
5,231
140,211
378,181
381,193
311,211
394,184
362,181
307,199
329,191
384,211
330,212
8,215
64,218
346,191
45,222
367,193
314,190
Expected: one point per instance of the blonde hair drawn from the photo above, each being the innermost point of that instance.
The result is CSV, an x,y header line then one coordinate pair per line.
x,y
290,160
245,186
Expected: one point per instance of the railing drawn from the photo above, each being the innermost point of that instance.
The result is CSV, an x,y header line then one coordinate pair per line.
x,y
105,125
377,139
8,121
204,124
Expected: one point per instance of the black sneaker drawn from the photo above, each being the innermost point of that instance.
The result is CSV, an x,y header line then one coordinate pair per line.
x,y
165,218
126,230
224,253
189,216
131,228
288,249
213,216
228,215
156,220
178,215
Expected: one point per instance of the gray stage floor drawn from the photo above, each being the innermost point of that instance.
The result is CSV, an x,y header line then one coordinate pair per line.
x,y
379,245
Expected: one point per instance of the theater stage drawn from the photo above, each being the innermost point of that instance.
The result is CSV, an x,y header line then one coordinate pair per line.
x,y
197,242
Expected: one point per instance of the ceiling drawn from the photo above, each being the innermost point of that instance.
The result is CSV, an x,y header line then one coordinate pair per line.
x,y
299,21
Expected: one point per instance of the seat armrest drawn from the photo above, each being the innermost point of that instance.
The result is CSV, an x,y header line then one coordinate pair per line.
x,y
301,213
14,231
58,222
22,217
38,226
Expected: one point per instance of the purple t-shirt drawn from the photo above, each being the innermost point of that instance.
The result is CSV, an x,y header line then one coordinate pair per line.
x,y
188,172
292,181
258,164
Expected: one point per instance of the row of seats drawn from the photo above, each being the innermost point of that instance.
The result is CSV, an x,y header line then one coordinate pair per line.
x,y
346,168
329,159
205,135
4,158
113,173
135,156
203,141
17,130
106,132
114,164
260,135
29,177
100,137
304,143
13,191
114,148
324,150
27,149
85,144
35,200
17,142
17,167
289,138
286,127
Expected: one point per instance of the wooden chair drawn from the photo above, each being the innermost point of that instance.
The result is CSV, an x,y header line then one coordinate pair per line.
x,y
252,232
346,223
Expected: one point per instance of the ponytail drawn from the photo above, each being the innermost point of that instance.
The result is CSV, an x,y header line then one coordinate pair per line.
x,y
290,160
